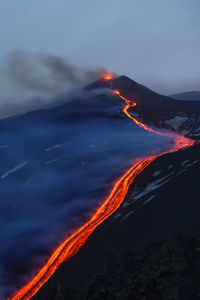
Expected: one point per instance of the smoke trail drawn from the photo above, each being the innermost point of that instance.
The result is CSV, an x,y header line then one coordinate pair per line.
x,y
31,80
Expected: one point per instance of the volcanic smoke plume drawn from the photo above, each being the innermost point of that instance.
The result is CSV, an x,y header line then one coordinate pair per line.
x,y
31,80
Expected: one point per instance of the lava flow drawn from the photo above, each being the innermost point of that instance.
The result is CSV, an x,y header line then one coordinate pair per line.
x,y
180,142
117,195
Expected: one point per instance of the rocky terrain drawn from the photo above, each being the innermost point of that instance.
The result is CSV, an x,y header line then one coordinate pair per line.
x,y
163,200
161,111
158,110
164,270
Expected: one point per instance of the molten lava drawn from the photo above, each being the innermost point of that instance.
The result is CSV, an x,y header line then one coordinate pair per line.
x,y
117,195
108,76
180,142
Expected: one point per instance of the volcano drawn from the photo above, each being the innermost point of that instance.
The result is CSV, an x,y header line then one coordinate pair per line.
x,y
131,213
155,109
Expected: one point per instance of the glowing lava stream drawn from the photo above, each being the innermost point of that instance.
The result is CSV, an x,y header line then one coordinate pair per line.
x,y
75,241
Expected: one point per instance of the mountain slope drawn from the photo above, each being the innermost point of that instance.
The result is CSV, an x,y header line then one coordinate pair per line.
x,y
152,108
163,200
163,270
158,110
193,96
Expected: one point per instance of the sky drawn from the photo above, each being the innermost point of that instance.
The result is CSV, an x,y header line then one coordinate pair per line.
x,y
156,43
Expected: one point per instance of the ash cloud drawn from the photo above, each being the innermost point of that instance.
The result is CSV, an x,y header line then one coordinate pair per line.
x,y
28,81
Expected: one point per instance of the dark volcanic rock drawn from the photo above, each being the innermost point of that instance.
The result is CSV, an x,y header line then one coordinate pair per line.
x,y
162,200
166,270
161,111
155,109
174,205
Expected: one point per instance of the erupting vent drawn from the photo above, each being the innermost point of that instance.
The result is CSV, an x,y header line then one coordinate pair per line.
x,y
108,76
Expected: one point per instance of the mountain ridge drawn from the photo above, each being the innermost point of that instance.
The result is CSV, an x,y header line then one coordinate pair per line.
x,y
189,96
157,110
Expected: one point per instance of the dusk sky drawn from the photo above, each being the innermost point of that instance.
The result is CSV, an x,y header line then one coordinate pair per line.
x,y
154,42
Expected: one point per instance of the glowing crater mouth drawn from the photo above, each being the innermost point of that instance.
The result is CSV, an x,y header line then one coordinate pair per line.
x,y
108,76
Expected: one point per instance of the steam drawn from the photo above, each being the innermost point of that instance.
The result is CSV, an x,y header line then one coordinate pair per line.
x,y
28,81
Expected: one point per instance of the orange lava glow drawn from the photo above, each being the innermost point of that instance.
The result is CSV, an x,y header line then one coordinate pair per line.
x,y
117,195
180,142
108,76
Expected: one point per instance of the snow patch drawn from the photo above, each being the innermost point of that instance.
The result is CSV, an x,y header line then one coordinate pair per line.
x,y
29,180
126,204
154,185
182,171
170,167
127,215
184,131
16,168
184,162
197,134
176,122
117,216
195,161
149,199
156,173
191,164
53,147
51,161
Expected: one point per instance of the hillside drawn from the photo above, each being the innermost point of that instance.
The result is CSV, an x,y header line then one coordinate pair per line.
x,y
162,201
193,96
